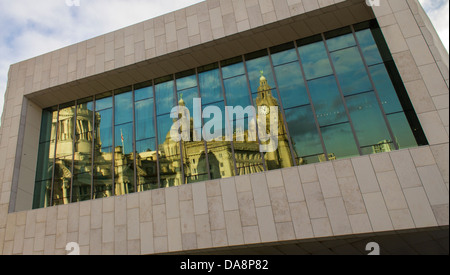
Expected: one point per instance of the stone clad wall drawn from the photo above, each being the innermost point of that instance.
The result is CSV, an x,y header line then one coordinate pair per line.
x,y
398,190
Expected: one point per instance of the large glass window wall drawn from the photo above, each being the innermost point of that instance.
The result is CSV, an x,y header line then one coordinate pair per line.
x,y
337,95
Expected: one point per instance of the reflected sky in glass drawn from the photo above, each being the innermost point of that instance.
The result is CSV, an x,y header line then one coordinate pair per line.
x,y
164,97
327,101
315,60
291,85
363,108
339,140
350,71
210,86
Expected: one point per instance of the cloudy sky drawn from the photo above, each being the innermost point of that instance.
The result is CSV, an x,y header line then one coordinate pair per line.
x,y
29,28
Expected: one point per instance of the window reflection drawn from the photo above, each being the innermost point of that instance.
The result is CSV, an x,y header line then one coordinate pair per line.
x,y
46,152
323,114
62,182
350,71
327,101
314,59
103,147
362,108
146,154
84,133
123,143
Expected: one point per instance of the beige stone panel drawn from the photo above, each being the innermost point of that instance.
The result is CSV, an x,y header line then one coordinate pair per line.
x,y
321,227
172,203
234,228
120,240
422,156
360,223
96,214
160,244
308,173
392,191
247,209
229,195
351,195
434,185
19,239
61,234
314,200
133,224
407,23
441,213
420,50
433,79
441,154
433,128
49,245
84,230
39,237
285,231
203,231
338,216
401,219
301,220
199,198
377,210
219,238
187,216
365,174
328,180
159,220
419,206
146,238
394,38
108,227
251,234
174,234
216,213
405,169
293,185
266,224
280,206
419,96
260,190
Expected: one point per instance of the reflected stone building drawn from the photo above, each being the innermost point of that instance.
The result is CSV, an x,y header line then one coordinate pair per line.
x,y
359,94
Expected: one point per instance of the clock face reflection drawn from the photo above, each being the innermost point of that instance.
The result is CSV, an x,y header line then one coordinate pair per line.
x,y
264,109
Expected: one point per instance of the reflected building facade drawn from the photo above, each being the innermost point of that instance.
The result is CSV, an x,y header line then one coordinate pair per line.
x,y
335,93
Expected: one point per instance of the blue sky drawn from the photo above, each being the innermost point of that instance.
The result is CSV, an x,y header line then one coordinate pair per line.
x,y
29,28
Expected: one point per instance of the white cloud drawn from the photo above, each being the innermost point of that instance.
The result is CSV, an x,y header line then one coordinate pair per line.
x,y
29,28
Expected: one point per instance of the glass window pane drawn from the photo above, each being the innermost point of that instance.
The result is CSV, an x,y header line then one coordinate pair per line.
x,y
315,60
340,42
369,47
103,150
146,165
291,85
42,193
256,68
339,141
284,57
164,97
81,187
367,119
327,101
143,93
64,153
304,134
351,71
236,91
210,86
84,132
123,108
144,119
402,130
169,154
233,69
186,82
385,89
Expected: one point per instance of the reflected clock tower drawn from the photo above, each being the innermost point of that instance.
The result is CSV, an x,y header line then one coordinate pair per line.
x,y
281,157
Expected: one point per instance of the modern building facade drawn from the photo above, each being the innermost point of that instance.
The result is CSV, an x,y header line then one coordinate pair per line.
x,y
358,92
